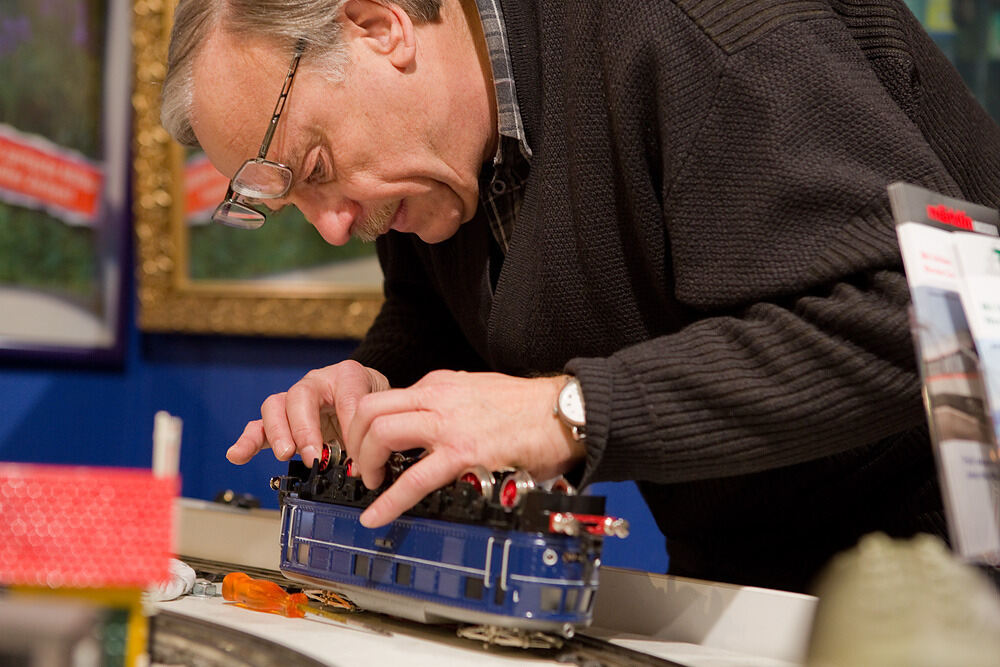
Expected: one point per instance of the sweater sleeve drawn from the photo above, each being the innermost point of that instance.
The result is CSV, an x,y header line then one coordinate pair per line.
x,y
782,241
781,383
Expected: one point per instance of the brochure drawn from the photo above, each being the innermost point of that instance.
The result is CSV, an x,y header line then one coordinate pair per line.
x,y
951,254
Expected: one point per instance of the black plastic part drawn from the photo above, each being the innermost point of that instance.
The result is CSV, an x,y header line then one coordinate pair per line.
x,y
459,502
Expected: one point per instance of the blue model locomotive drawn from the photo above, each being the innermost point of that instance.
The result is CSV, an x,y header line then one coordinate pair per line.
x,y
495,550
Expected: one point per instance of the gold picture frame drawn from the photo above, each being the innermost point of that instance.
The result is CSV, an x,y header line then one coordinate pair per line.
x,y
169,300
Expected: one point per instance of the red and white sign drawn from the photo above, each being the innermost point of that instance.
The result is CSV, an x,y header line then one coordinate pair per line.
x,y
204,188
36,173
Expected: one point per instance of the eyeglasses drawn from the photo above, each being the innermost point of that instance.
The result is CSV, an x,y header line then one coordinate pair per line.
x,y
259,178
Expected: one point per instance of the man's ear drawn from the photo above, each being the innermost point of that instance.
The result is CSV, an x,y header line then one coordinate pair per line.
x,y
385,28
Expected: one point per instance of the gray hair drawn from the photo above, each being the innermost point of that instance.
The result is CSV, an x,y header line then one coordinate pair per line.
x,y
281,22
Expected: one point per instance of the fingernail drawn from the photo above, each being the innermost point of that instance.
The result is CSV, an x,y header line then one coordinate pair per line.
x,y
283,449
309,454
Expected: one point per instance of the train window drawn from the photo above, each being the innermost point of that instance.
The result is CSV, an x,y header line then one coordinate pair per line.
x,y
571,596
449,585
382,570
551,598
425,579
404,574
341,562
303,555
361,565
474,588
305,524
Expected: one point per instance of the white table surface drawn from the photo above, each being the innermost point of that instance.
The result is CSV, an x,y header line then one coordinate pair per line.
x,y
695,623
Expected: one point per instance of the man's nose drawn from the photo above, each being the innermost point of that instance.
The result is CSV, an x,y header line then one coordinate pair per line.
x,y
332,215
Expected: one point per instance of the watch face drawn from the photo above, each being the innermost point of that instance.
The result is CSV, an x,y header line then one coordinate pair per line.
x,y
571,404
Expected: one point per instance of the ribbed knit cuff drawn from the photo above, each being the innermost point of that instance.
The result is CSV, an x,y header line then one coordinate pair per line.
x,y
597,381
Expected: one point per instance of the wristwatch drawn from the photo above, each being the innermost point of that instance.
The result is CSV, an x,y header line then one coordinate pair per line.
x,y
569,408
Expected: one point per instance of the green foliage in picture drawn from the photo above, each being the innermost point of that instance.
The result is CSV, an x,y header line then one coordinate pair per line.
x,y
50,68
286,242
50,85
40,252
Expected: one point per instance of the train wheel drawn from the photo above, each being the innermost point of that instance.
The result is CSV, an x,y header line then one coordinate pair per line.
x,y
481,480
330,454
562,485
514,488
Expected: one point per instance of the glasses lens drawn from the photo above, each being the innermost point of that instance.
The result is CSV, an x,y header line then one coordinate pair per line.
x,y
262,179
234,214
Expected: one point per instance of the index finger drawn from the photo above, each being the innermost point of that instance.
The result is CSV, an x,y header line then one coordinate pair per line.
x,y
307,402
426,475
251,441
380,404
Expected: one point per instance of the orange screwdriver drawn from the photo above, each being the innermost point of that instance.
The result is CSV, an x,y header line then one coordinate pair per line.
x,y
263,595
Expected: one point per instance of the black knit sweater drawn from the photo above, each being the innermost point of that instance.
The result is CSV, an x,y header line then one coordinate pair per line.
x,y
705,241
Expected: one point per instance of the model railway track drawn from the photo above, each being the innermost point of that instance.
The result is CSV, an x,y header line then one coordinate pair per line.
x,y
214,571
592,652
178,639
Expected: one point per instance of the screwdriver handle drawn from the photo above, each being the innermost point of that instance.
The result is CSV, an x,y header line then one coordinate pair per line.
x,y
262,595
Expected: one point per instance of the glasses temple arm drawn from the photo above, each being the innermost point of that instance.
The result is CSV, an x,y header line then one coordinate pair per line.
x,y
280,104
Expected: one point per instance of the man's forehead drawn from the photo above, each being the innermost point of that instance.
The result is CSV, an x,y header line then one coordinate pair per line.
x,y
232,83
224,65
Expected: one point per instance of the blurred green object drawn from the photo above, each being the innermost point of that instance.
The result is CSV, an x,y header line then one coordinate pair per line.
x,y
968,32
42,252
904,603
51,59
286,243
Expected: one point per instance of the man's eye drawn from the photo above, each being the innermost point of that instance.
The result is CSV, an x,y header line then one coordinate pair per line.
x,y
318,173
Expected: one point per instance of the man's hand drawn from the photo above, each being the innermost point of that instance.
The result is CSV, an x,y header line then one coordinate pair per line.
x,y
460,419
313,410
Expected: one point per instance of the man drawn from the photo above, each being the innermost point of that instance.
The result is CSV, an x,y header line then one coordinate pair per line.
x,y
669,217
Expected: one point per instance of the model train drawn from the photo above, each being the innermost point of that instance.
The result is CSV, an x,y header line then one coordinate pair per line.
x,y
494,549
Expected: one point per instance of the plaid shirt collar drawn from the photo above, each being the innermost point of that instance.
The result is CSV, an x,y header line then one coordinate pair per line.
x,y
500,187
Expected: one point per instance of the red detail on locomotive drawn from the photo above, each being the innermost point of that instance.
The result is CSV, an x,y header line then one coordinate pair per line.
x,y
508,493
472,479
597,524
563,486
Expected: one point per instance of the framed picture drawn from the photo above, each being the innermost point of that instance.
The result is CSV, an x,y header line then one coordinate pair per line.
x,y
64,139
198,277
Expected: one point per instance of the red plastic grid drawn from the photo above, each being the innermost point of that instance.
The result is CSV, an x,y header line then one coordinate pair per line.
x,y
84,527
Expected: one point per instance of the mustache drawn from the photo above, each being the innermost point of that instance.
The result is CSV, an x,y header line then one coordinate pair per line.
x,y
376,222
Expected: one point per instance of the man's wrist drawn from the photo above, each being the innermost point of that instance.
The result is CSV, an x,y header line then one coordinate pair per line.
x,y
570,408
